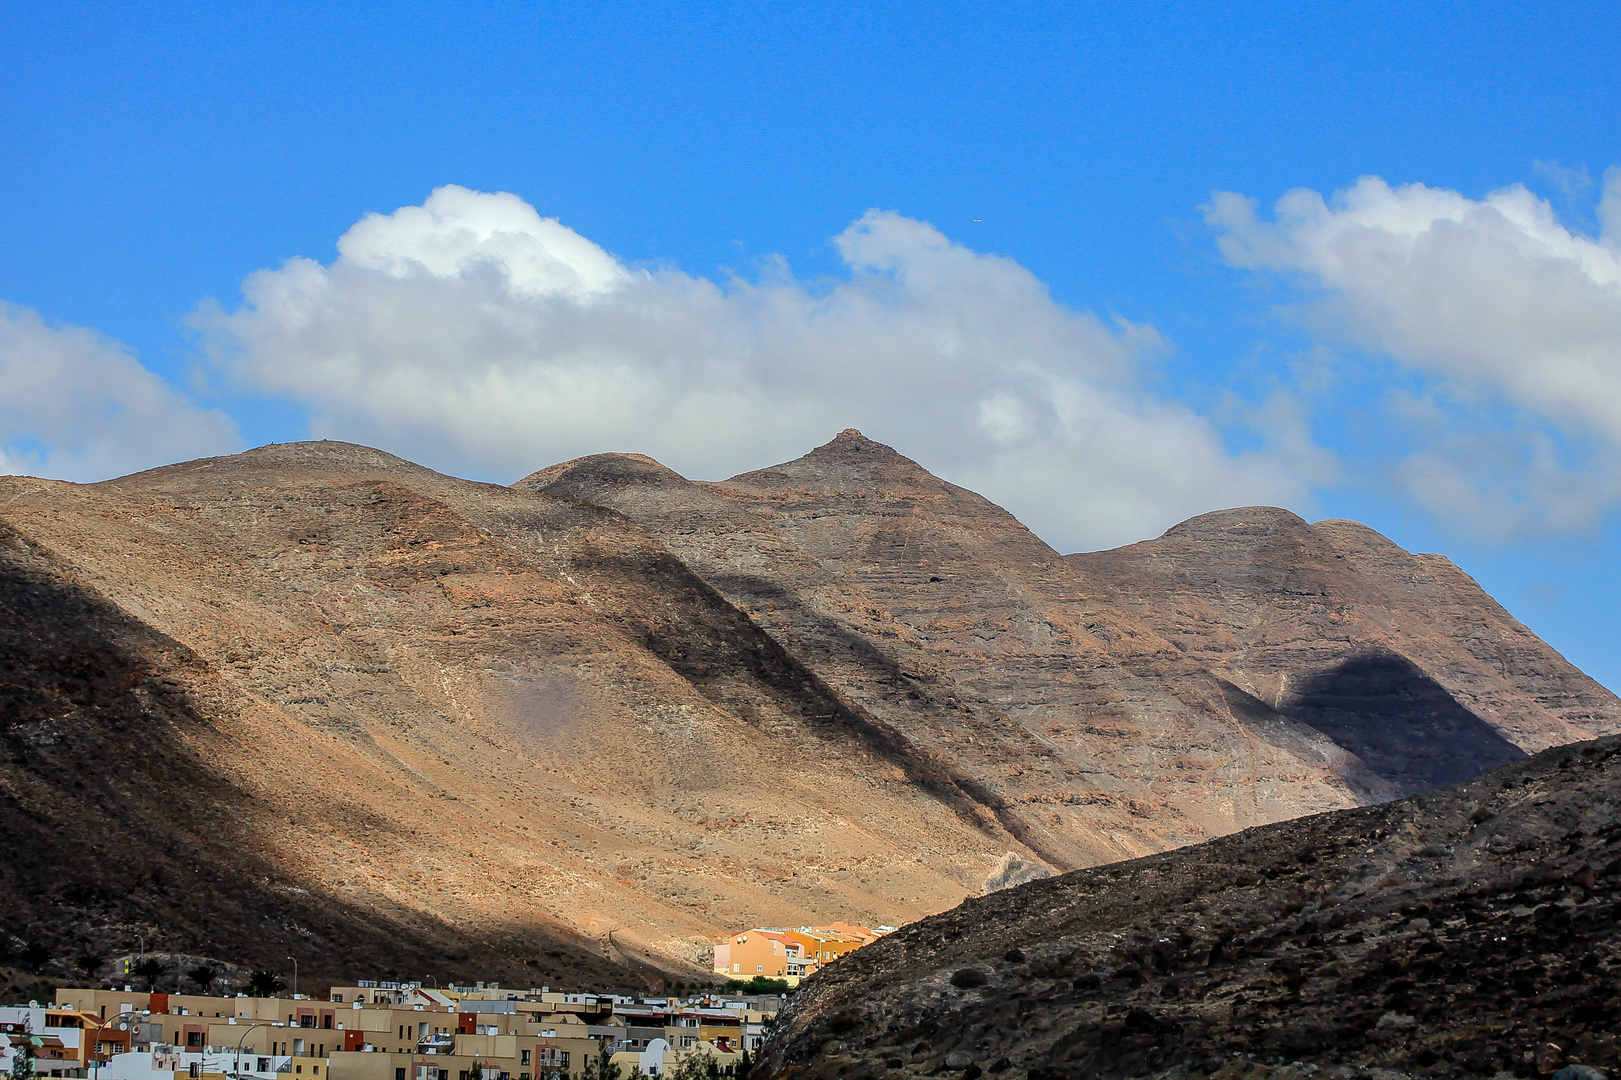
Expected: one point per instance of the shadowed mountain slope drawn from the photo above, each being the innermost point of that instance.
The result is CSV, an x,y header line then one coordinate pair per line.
x,y
1337,627
1045,674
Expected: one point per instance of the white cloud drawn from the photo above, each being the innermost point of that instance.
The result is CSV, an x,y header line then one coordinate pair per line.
x,y
77,406
1495,298
475,335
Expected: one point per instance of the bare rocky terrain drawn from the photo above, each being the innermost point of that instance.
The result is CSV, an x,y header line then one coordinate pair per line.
x,y
316,700
1466,931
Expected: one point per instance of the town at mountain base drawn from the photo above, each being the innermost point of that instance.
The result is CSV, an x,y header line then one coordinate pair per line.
x,y
316,701
1468,931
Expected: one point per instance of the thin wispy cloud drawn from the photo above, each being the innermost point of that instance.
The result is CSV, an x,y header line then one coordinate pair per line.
x,y
75,405
1514,317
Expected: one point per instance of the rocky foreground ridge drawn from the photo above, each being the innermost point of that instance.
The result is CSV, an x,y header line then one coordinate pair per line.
x,y
315,699
1466,931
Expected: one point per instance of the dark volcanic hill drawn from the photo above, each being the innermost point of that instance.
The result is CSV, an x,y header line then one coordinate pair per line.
x,y
315,699
1470,930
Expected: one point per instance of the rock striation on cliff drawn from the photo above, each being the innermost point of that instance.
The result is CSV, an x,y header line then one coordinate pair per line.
x,y
314,698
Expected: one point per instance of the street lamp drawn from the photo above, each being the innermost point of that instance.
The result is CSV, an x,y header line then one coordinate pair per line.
x,y
239,1042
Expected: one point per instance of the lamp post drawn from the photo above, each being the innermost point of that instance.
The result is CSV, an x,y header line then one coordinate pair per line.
x,y
239,1042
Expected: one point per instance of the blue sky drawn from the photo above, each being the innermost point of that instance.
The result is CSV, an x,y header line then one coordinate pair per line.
x,y
1056,306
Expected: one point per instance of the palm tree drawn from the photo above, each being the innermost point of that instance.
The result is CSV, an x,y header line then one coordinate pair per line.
x,y
149,969
90,963
203,977
264,984
36,955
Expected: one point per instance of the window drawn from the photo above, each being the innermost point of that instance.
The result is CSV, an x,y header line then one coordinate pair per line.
x,y
337,997
264,1066
523,1059
298,1068
399,1074
759,967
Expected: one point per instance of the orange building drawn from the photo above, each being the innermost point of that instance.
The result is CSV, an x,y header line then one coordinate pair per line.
x,y
822,944
764,952
778,953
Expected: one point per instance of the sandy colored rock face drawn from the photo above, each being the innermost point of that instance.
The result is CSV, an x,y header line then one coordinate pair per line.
x,y
577,728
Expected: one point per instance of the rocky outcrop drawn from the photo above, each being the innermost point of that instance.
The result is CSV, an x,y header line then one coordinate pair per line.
x,y
1471,930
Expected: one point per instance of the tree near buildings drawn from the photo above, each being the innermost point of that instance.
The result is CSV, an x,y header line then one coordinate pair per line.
x,y
22,1057
604,1068
696,1065
203,977
264,984
149,969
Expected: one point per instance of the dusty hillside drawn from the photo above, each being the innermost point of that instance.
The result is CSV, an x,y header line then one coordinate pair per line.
x,y
1098,718
408,699
389,719
1469,930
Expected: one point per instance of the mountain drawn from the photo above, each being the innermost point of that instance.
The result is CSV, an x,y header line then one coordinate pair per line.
x,y
316,700
1470,930
1334,625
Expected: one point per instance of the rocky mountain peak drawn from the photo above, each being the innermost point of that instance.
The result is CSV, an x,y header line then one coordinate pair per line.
x,y
591,477
1254,521
849,463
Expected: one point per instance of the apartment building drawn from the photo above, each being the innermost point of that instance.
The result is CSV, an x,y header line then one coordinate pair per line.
x,y
774,952
61,1040
397,1032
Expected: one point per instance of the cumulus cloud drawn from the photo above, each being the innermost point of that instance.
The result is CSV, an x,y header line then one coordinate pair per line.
x,y
476,335
77,406
1499,303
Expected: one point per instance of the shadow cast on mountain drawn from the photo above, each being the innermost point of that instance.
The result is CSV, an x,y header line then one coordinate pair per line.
x,y
1403,724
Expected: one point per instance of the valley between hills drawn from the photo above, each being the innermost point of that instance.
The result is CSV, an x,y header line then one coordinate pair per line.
x,y
315,700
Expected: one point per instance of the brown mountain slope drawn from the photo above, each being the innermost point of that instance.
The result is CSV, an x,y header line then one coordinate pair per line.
x,y
492,715
1336,626
595,719
1080,706
1471,930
